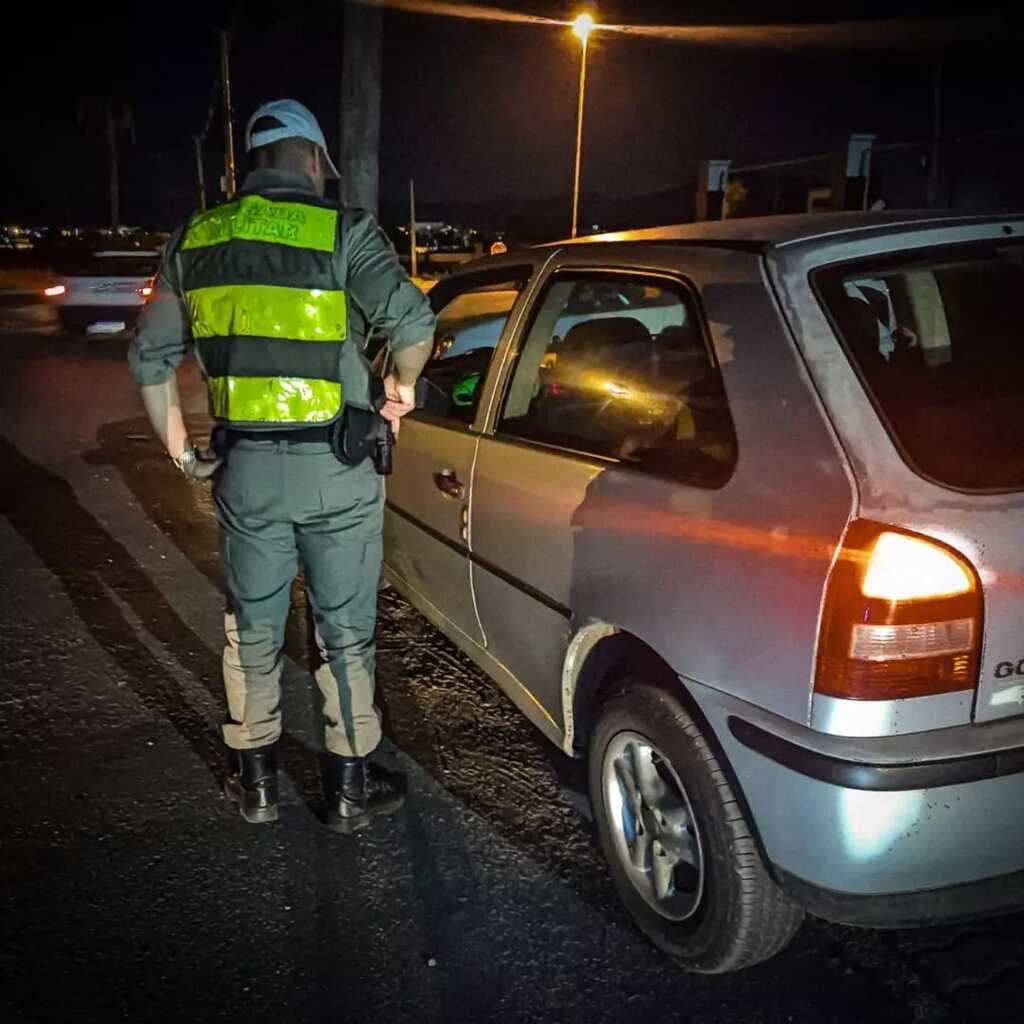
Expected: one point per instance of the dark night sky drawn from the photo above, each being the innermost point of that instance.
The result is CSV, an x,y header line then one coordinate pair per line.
x,y
472,110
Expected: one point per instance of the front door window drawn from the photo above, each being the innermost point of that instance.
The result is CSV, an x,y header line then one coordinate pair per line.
x,y
469,324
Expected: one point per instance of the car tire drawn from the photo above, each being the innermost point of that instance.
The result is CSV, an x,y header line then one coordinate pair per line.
x,y
719,914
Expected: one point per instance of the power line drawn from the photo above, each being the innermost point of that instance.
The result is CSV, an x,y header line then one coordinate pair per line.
x,y
956,28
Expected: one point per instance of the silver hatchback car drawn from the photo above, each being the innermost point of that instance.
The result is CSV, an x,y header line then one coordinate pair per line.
x,y
736,512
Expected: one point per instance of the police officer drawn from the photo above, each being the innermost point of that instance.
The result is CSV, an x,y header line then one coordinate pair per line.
x,y
277,290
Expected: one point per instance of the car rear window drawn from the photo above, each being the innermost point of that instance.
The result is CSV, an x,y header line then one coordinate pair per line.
x,y
936,337
107,266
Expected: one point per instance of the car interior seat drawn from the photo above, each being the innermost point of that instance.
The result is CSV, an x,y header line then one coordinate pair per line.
x,y
599,339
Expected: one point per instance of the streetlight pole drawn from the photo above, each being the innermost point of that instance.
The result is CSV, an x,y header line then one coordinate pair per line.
x,y
228,181
582,27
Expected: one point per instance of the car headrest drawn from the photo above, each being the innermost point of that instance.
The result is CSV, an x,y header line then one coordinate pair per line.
x,y
603,333
685,339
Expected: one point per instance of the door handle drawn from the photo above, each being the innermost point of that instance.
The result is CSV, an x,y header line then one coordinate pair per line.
x,y
449,485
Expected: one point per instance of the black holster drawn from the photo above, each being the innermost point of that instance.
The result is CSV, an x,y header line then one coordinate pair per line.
x,y
360,434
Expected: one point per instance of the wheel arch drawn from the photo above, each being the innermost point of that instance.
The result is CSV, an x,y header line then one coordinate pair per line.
x,y
599,655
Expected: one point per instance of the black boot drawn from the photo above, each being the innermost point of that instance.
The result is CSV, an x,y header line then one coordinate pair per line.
x,y
252,785
358,791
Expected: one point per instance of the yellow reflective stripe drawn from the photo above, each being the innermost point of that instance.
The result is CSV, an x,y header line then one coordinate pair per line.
x,y
274,399
255,219
266,311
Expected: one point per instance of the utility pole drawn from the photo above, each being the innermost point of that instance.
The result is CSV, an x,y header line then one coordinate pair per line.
x,y
413,268
359,160
228,182
200,175
110,129
933,163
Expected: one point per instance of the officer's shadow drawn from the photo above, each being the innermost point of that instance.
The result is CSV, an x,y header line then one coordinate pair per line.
x,y
101,578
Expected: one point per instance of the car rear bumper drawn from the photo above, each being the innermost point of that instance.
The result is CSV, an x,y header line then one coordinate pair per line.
x,y
877,776
893,831
85,316
987,897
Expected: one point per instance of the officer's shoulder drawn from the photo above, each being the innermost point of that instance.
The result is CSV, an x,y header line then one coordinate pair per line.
x,y
359,226
177,235
195,217
357,215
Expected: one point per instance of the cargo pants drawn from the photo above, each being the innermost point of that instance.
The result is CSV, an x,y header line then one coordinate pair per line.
x,y
285,507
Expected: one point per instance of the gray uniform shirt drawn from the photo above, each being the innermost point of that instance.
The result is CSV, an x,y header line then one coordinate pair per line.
x,y
379,292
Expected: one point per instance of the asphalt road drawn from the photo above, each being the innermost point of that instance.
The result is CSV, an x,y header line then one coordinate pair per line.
x,y
130,892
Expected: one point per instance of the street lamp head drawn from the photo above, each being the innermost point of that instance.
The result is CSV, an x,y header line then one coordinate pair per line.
x,y
583,26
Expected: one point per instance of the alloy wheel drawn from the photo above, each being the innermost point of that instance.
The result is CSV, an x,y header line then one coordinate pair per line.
x,y
653,827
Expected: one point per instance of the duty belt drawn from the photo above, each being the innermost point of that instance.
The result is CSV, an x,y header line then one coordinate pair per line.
x,y
223,439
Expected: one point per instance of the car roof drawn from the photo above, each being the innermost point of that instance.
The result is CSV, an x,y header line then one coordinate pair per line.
x,y
760,233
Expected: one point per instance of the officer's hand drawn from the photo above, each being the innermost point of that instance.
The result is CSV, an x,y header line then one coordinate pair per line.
x,y
207,463
401,400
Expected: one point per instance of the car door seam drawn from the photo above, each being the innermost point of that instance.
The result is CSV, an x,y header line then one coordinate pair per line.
x,y
491,567
469,543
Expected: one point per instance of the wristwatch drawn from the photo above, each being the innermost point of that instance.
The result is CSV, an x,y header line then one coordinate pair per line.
x,y
186,462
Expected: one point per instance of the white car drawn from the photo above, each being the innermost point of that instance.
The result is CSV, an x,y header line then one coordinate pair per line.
x,y
103,292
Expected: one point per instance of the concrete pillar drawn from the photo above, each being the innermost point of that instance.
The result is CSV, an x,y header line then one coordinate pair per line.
x,y
359,161
712,180
851,174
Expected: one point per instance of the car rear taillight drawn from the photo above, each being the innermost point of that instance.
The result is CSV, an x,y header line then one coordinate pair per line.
x,y
903,617
54,291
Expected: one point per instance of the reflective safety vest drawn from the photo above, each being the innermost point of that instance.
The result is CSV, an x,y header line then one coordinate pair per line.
x,y
267,312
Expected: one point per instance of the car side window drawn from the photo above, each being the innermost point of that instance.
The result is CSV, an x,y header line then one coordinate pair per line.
x,y
470,319
619,366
